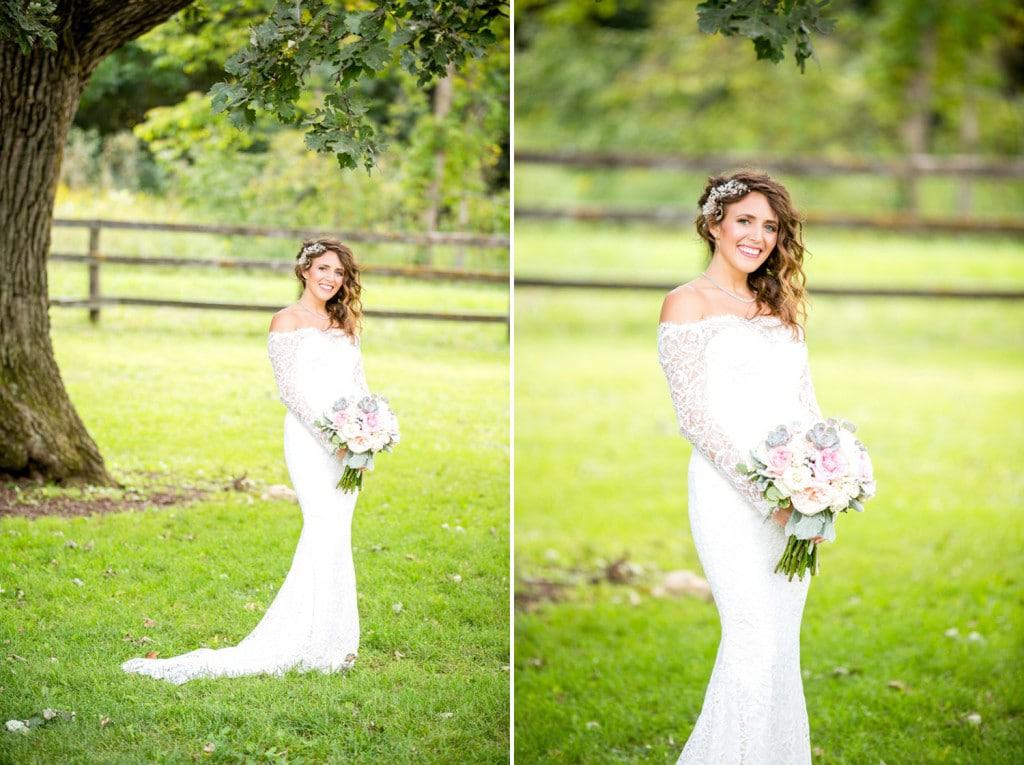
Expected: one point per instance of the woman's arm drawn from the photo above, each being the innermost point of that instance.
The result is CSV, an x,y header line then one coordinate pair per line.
x,y
681,353
282,347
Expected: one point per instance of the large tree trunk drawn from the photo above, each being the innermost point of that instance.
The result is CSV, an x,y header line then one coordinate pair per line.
x,y
40,432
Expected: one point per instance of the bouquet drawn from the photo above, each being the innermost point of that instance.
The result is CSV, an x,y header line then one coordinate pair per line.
x,y
363,426
818,471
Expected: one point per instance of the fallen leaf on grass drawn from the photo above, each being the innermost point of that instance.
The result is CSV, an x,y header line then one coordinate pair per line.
x,y
446,715
397,608
251,606
209,747
147,622
104,722
897,685
593,725
399,655
972,719
152,654
77,581
818,751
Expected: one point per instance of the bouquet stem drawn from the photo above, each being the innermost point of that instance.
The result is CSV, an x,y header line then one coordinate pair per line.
x,y
351,480
799,555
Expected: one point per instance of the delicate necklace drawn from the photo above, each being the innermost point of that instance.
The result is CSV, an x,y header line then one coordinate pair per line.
x,y
727,292
321,316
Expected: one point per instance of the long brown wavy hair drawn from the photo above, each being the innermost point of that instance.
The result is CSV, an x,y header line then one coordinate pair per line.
x,y
345,308
778,283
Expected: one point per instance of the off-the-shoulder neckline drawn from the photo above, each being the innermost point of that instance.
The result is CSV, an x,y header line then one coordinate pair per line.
x,y
314,329
715,316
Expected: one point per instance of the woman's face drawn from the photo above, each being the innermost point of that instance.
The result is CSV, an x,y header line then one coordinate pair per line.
x,y
325,275
747,233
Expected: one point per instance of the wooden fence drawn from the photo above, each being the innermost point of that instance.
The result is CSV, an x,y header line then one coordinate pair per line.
x,y
95,257
906,169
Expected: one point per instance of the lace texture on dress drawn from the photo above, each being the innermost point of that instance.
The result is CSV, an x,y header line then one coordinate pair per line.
x,y
681,353
731,380
283,349
313,621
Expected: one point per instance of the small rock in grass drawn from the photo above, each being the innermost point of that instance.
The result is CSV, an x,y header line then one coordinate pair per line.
x,y
278,491
446,715
209,747
78,581
457,579
682,582
17,726
898,685
49,714
104,722
397,608
399,655
593,725
973,718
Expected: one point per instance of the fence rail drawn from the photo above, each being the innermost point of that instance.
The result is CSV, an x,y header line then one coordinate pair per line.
x,y
551,283
915,164
94,258
881,222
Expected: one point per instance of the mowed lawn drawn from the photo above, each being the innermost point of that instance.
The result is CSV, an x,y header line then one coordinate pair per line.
x,y
610,672
188,398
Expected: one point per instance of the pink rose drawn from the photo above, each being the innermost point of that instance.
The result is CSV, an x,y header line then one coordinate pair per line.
x,y
779,458
828,464
339,419
371,420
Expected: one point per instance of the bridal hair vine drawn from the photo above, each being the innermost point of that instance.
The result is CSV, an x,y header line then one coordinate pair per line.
x,y
713,206
309,251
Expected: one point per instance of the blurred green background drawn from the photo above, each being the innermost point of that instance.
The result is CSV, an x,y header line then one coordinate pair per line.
x,y
913,631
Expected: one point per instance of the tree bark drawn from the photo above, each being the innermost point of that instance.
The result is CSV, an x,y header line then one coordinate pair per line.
x,y
916,127
41,434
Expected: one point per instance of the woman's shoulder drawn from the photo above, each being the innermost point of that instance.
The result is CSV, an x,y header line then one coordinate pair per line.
x,y
285,320
683,304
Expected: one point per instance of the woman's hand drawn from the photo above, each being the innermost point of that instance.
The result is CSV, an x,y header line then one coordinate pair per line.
x,y
341,456
781,517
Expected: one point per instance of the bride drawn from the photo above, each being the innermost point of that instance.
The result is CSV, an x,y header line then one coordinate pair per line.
x,y
313,622
735,359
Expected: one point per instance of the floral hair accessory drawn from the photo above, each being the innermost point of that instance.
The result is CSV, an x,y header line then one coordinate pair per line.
x,y
713,207
310,250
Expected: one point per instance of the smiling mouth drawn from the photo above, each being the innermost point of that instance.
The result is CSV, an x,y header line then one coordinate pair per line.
x,y
326,287
750,252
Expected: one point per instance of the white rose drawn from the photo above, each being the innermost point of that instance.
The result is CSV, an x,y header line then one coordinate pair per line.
x,y
350,430
811,500
797,478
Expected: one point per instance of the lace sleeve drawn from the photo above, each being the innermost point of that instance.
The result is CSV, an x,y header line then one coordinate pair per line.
x,y
282,348
681,353
808,401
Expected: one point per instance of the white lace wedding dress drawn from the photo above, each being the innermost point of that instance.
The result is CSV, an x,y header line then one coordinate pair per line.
x,y
313,622
733,380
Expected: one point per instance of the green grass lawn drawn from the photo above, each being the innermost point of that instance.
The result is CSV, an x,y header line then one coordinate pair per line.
x,y
612,673
188,398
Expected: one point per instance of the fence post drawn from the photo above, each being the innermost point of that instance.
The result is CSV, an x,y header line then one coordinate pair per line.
x,y
94,271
